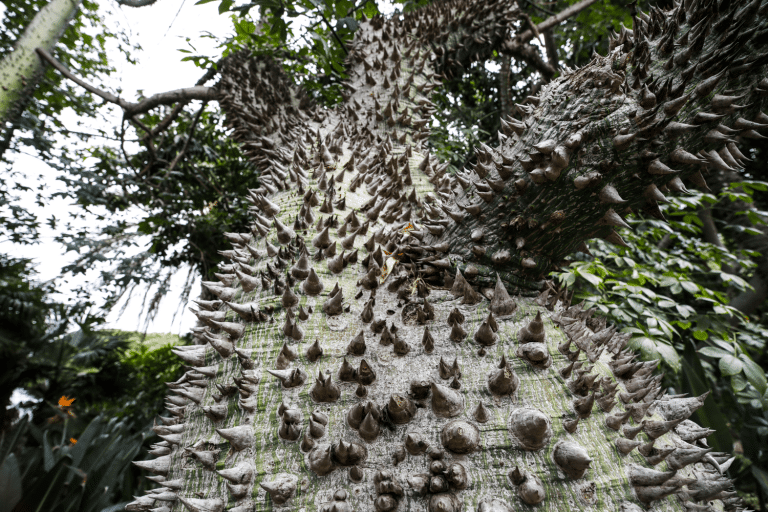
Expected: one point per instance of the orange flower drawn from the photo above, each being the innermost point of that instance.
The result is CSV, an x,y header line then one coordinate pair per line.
x,y
65,402
73,441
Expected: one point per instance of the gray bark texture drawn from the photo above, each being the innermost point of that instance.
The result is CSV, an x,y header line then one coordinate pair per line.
x,y
364,352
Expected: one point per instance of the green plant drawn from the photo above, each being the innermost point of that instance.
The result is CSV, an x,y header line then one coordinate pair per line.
x,y
61,476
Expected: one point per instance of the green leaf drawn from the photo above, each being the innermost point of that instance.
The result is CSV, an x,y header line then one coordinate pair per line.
x,y
754,373
225,5
349,23
714,352
762,478
729,365
48,460
45,492
669,355
84,441
10,482
690,287
693,381
635,305
7,445
738,383
591,278
668,281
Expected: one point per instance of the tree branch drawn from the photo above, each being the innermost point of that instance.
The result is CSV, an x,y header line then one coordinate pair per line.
x,y
178,157
531,56
504,87
545,11
171,97
549,43
551,21
333,32
145,105
136,3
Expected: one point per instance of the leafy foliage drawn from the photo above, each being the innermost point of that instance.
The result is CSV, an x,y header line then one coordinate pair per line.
x,y
184,196
671,290
64,476
41,130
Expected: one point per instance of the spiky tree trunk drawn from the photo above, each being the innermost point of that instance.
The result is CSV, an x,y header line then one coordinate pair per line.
x,y
364,355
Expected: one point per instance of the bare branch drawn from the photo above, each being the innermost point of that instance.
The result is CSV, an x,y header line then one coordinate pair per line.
x,y
136,3
338,40
549,42
171,97
145,105
531,56
533,26
552,21
165,123
546,11
189,137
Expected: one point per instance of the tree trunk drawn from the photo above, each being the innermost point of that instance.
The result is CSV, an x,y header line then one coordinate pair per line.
x,y
426,395
22,69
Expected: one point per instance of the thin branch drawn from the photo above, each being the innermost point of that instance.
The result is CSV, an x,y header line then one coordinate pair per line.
x,y
86,134
530,55
546,11
136,3
349,12
171,97
179,107
549,42
533,27
122,145
145,105
149,141
165,123
335,35
178,157
552,21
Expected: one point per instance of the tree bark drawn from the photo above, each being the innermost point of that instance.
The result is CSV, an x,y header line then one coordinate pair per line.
x,y
499,426
142,107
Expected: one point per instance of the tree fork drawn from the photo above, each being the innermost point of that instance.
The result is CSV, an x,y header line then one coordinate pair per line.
x,y
307,398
